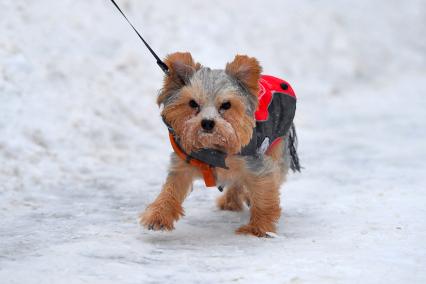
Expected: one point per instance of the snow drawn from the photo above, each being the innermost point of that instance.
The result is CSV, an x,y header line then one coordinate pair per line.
x,y
83,149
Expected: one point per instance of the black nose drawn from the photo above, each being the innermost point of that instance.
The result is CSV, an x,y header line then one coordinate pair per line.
x,y
207,124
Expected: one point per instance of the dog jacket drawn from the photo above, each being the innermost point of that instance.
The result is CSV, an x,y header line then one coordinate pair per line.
x,y
274,120
274,115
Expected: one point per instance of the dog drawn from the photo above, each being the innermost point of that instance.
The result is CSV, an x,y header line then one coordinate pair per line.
x,y
232,127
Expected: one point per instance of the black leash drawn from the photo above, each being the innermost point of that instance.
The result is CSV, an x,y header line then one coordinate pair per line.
x,y
160,63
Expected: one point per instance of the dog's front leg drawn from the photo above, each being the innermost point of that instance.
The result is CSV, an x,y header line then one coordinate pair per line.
x,y
167,207
264,205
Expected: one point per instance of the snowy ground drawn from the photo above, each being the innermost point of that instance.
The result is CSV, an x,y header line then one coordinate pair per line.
x,y
83,150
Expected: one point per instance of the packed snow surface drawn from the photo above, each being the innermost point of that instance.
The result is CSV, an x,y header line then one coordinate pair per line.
x,y
83,150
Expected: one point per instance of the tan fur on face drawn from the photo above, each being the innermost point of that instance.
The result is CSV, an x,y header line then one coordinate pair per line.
x,y
238,118
232,131
223,137
179,112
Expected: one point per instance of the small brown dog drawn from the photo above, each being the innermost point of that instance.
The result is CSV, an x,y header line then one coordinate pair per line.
x,y
216,114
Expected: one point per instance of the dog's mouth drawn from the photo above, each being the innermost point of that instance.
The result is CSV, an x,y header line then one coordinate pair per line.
x,y
218,147
221,139
211,140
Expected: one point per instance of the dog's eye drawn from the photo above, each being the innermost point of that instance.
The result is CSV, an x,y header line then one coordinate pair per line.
x,y
193,104
225,105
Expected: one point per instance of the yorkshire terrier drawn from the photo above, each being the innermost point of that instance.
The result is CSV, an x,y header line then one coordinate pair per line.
x,y
232,127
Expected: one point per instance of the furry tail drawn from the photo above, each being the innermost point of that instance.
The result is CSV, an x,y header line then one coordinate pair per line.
x,y
292,146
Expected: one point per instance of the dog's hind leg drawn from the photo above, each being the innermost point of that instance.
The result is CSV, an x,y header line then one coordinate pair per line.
x,y
233,198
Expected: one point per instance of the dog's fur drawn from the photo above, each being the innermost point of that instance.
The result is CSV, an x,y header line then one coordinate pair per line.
x,y
249,179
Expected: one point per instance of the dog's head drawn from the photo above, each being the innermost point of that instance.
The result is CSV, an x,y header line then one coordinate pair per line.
x,y
210,108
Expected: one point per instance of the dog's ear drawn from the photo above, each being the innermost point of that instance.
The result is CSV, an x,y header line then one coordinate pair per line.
x,y
181,68
246,70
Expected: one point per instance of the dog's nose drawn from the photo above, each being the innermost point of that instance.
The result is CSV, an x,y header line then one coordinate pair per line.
x,y
207,124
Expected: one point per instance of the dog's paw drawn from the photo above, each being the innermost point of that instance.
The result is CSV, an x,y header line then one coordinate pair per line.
x,y
155,220
253,230
225,203
161,217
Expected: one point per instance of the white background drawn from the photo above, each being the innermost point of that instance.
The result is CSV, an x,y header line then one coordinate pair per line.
x,y
83,149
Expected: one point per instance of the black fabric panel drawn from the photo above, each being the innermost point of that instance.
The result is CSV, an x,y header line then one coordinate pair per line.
x,y
211,157
281,113
251,147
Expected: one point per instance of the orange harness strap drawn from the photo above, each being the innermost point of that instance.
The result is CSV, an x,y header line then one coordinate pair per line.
x,y
206,170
